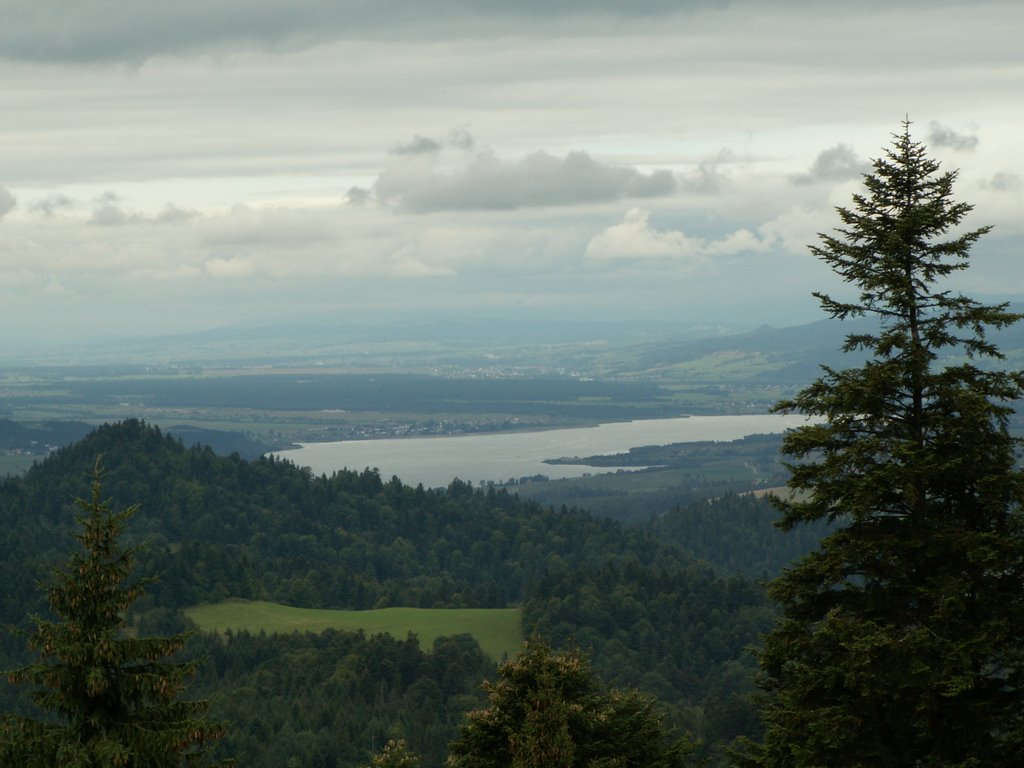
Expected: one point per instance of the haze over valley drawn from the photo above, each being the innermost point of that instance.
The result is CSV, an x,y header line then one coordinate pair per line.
x,y
471,384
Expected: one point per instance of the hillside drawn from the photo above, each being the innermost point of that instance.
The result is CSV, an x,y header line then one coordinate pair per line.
x,y
217,527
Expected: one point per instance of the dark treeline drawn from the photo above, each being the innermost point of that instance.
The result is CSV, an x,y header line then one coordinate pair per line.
x,y
645,608
737,534
335,698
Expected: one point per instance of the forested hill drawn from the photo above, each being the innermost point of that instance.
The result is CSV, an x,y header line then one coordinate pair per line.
x,y
219,527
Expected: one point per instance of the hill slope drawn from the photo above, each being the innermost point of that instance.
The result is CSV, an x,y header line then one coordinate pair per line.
x,y
222,527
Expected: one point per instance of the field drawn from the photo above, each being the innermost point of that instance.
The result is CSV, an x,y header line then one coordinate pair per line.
x,y
498,630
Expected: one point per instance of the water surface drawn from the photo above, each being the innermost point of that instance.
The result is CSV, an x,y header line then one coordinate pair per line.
x,y
435,461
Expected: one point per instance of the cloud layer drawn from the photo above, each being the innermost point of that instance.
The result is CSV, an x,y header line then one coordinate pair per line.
x,y
123,30
537,180
941,135
210,163
7,202
838,163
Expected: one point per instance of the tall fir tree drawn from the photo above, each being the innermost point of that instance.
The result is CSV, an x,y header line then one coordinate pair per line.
x,y
110,700
902,637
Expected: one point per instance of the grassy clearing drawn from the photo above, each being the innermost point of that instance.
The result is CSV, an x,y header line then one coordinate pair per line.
x,y
498,630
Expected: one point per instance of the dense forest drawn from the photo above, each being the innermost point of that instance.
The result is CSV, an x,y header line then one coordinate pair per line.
x,y
658,607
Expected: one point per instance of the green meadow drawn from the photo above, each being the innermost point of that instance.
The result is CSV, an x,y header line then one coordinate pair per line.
x,y
497,630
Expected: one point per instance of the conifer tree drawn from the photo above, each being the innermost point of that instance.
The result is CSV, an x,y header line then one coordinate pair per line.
x,y
396,754
902,637
110,700
547,710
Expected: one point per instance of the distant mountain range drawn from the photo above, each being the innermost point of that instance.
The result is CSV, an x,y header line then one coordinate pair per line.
x,y
782,355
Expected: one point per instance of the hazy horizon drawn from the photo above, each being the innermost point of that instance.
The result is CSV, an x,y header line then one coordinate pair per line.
x,y
169,169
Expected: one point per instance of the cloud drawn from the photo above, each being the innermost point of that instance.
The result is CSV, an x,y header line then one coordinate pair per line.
x,y
1003,181
358,196
172,214
707,178
49,205
107,212
838,163
537,180
635,239
943,136
419,145
109,215
130,31
265,228
460,138
7,202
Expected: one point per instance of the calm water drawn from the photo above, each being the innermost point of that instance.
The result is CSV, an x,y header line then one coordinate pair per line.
x,y
434,461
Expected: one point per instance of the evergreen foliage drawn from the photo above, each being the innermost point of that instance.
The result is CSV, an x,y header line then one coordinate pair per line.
x,y
644,610
736,534
680,634
112,700
547,710
902,640
396,754
330,700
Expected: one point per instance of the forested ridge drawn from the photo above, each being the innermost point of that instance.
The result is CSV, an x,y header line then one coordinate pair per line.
x,y
650,614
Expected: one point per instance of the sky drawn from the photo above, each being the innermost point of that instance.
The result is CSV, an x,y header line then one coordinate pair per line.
x,y
174,167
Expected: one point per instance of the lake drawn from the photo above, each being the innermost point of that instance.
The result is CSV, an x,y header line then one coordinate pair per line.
x,y
435,461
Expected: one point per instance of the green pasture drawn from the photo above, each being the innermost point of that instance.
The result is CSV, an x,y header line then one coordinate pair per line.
x,y
498,630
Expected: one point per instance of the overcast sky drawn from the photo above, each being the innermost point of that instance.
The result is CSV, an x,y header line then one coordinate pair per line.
x,y
176,166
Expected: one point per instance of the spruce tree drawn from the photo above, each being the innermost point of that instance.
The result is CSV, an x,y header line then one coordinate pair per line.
x,y
547,710
110,700
396,754
901,638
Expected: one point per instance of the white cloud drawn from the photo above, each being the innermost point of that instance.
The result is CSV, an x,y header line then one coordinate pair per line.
x,y
798,227
256,124
172,214
539,179
109,215
635,239
740,241
838,163
7,202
